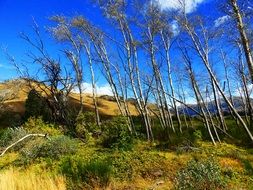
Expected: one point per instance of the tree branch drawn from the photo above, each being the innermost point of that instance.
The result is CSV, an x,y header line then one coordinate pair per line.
x,y
22,139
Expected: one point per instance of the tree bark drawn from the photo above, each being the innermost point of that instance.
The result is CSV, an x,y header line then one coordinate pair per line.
x,y
244,38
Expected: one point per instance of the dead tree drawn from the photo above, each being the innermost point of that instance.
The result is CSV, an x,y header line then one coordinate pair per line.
x,y
123,90
63,33
97,38
218,106
114,9
242,73
209,102
228,83
181,91
87,47
201,47
166,35
55,86
153,24
199,98
22,139
98,43
238,16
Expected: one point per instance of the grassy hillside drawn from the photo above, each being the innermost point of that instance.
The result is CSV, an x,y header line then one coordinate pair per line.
x,y
109,157
145,166
17,91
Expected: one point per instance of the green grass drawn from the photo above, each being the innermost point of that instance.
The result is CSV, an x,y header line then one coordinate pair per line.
x,y
145,165
141,167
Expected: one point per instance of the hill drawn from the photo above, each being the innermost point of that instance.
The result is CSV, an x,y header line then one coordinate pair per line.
x,y
15,93
239,105
114,159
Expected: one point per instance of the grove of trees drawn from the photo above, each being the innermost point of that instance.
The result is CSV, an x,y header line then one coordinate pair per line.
x,y
166,58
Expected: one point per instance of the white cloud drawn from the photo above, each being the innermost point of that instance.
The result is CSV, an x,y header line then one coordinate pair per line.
x,y
104,90
240,91
190,5
221,20
175,28
101,90
6,66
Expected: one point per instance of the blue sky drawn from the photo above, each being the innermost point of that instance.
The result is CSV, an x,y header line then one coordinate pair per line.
x,y
17,15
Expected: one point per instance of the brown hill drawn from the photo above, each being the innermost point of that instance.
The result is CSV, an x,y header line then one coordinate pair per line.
x,y
16,91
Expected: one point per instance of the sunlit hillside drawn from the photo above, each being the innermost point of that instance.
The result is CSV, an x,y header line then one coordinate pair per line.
x,y
126,95
17,91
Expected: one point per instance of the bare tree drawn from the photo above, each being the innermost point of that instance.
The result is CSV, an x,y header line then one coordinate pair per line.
x,y
55,86
199,98
244,87
63,33
228,83
114,9
201,47
98,42
238,16
93,82
152,26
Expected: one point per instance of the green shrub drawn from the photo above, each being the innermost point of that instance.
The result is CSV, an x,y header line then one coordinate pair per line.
x,y
131,164
96,173
82,132
86,125
200,175
36,106
230,173
37,125
10,119
115,134
53,149
88,121
247,167
123,165
11,135
204,133
197,135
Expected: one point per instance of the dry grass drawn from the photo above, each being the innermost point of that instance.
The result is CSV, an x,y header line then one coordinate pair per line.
x,y
140,184
231,163
16,180
7,159
106,107
20,89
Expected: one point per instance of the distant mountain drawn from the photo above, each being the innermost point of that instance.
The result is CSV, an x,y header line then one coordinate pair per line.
x,y
238,103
